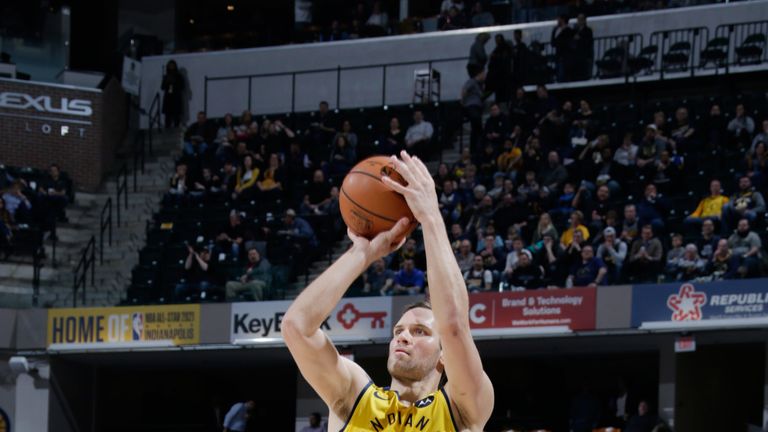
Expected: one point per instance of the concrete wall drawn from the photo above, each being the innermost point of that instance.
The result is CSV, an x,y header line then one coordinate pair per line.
x,y
364,87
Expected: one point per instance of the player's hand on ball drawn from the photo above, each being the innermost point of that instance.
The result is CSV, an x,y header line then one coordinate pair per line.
x,y
383,244
420,193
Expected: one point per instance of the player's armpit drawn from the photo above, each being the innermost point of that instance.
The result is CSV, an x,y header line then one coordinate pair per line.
x,y
337,380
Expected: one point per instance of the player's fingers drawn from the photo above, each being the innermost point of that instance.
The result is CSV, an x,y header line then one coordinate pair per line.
x,y
352,236
395,186
400,228
421,168
402,167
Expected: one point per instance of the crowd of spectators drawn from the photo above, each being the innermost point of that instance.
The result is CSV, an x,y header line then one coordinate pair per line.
x,y
545,198
32,202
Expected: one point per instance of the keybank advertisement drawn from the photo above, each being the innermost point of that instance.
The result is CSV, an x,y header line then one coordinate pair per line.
x,y
353,318
574,308
691,301
177,323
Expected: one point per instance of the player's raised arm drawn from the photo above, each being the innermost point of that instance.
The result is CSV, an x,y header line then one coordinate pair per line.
x,y
336,379
468,386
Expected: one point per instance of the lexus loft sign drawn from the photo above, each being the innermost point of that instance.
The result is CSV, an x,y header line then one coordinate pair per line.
x,y
46,104
77,112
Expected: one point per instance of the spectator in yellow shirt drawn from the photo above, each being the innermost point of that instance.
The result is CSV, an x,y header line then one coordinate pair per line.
x,y
577,218
710,207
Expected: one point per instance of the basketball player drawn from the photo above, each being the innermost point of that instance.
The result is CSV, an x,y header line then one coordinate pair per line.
x,y
428,341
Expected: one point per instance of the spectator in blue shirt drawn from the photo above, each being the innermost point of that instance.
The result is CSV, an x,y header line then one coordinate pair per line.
x,y
652,209
409,280
296,226
589,272
237,416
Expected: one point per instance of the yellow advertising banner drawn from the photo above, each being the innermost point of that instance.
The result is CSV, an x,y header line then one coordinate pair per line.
x,y
177,324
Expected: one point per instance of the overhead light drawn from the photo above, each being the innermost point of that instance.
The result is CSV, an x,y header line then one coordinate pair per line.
x,y
230,7
191,21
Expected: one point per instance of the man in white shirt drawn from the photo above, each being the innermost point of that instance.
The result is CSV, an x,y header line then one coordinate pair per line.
x,y
419,135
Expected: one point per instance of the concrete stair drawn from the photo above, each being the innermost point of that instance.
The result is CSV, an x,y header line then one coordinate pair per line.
x,y
111,277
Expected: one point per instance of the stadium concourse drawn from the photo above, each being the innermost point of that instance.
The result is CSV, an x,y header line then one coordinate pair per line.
x,y
602,181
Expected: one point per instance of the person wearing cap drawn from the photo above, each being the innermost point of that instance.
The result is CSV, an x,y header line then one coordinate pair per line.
x,y
612,251
526,274
297,227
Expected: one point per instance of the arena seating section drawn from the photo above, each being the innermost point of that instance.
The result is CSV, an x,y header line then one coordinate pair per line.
x,y
161,263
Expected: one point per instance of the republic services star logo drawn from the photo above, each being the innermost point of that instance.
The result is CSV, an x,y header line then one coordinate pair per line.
x,y
686,305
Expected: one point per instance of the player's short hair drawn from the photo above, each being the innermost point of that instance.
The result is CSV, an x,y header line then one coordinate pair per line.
x,y
419,304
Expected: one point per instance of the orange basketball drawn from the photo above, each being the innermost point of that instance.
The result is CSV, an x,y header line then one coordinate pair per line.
x,y
367,205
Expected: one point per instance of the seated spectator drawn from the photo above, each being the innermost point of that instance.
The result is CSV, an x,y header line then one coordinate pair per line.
x,y
419,135
456,236
409,280
543,228
668,172
198,275
346,132
510,160
335,33
297,227
597,208
195,148
492,253
322,130
179,185
550,256
17,203
526,274
511,261
465,257
626,154
746,203
529,191
707,243
554,174
410,250
741,127
649,150
756,164
673,256
587,273
450,203
746,245
690,265
270,183
232,236
204,130
575,224
613,252
760,137
343,157
208,185
247,175
645,257
643,421
317,195
682,133
630,226
572,253
394,140
723,264
254,281
378,18
453,20
710,207
509,214
54,190
480,17
225,127
563,206
478,278
652,209
378,279
496,127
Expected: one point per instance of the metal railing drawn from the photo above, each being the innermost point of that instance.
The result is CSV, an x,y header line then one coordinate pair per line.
x,y
38,256
105,224
154,119
122,190
139,158
87,263
738,44
338,70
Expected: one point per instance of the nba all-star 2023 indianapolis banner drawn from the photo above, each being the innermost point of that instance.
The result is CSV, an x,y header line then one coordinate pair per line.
x,y
179,324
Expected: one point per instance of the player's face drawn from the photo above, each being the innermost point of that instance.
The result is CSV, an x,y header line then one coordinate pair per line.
x,y
414,351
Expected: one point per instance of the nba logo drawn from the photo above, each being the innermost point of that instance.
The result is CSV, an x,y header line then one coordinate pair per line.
x,y
138,326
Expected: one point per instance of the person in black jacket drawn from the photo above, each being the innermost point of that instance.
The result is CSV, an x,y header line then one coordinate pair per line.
x,y
584,53
562,40
173,91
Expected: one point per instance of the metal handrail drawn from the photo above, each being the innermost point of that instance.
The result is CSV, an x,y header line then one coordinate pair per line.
x,y
122,189
37,266
139,159
105,224
154,119
338,70
80,274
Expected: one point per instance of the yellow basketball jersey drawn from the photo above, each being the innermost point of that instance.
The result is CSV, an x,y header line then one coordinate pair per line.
x,y
379,410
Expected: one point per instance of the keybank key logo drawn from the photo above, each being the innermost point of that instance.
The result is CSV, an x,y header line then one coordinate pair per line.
x,y
46,104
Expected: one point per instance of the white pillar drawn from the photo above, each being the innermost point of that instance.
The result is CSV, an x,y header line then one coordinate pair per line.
x,y
31,402
403,9
667,377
